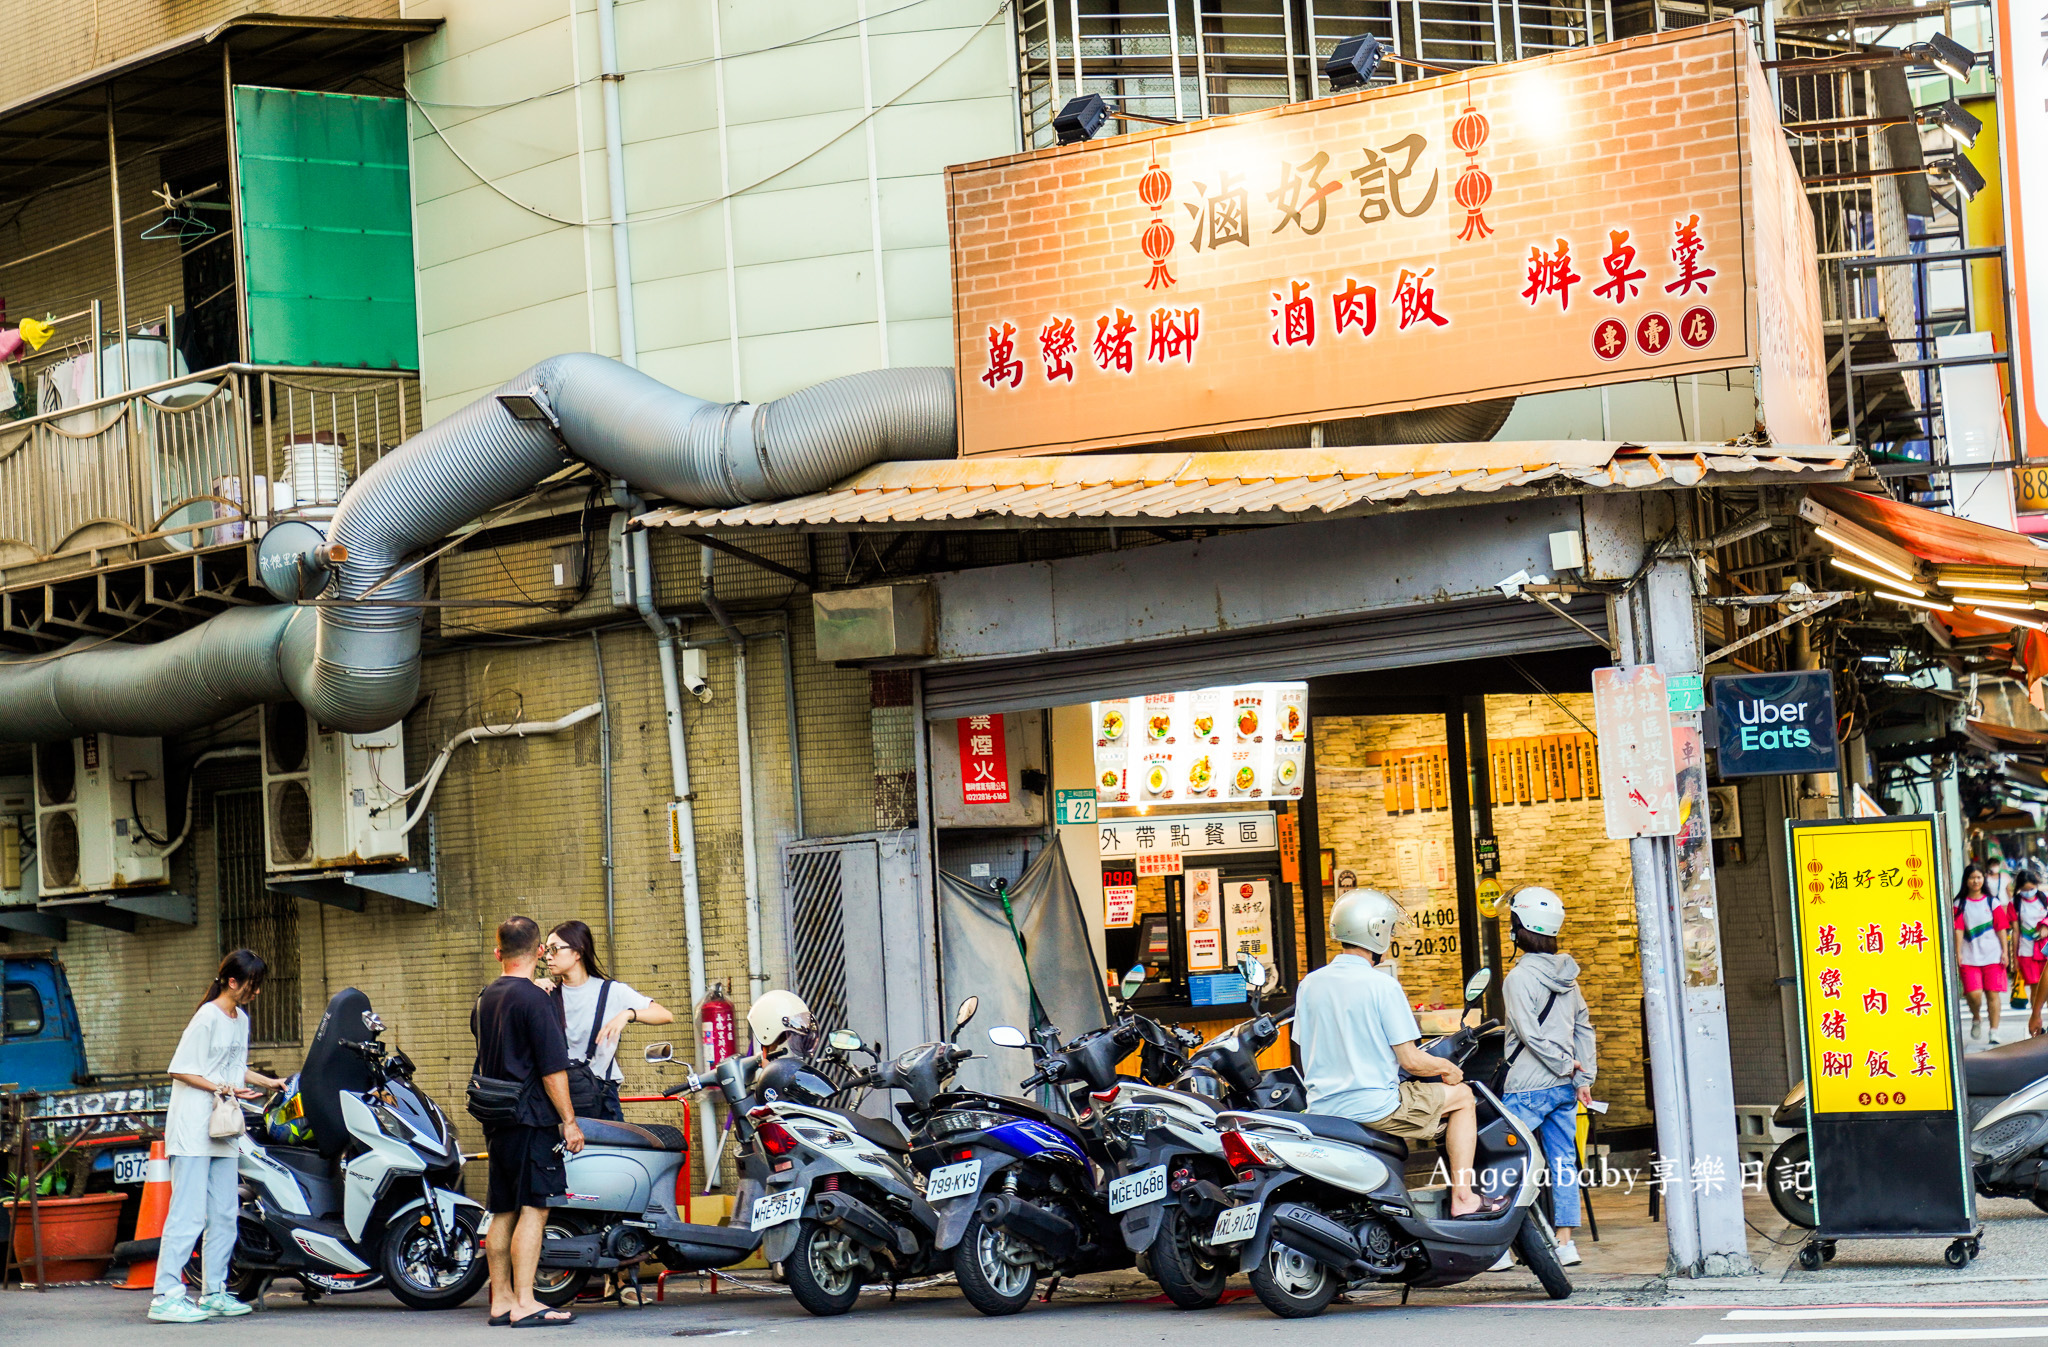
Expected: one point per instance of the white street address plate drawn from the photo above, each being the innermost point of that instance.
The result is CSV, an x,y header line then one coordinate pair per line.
x,y
131,1167
1135,1190
777,1209
961,1180
1237,1225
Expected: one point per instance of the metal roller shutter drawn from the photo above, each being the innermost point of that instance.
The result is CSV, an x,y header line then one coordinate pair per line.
x,y
1413,637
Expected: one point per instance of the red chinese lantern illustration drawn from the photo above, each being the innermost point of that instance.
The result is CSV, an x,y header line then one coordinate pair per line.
x,y
1473,187
1157,241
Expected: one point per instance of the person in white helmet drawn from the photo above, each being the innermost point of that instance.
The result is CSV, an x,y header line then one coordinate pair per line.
x,y
1551,1057
781,1024
1357,1034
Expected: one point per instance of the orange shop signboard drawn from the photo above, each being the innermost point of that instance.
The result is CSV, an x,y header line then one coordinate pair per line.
x,y
1597,216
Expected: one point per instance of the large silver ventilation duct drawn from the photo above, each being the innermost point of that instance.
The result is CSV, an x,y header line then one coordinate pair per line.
x,y
356,666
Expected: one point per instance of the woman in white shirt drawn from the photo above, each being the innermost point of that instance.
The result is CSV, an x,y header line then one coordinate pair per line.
x,y
212,1062
571,953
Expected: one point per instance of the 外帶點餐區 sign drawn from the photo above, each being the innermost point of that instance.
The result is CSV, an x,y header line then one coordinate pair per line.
x,y
1600,215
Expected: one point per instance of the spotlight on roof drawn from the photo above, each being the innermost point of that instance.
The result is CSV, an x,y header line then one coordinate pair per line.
x,y
1354,61
1947,55
530,405
1080,119
1953,118
1959,173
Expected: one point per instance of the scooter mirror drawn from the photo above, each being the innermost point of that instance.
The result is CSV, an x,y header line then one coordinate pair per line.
x,y
1008,1036
965,1013
1476,986
845,1040
658,1053
1252,971
1133,980
373,1022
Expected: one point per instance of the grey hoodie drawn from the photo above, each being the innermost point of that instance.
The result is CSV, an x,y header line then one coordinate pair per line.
x,y
1564,1036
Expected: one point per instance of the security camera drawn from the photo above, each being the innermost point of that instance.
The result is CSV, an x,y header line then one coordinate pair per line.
x,y
695,681
1511,587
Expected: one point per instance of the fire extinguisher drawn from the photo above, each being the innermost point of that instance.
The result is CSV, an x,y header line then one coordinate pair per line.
x,y
715,1026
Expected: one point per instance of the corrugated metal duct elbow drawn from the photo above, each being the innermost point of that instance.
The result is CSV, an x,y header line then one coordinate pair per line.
x,y
356,666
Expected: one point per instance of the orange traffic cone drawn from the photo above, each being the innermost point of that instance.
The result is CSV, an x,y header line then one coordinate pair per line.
x,y
149,1221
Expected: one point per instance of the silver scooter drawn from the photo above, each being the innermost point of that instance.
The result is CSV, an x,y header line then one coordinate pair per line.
x,y
623,1202
1323,1203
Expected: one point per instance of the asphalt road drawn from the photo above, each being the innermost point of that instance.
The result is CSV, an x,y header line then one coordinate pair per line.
x,y
105,1317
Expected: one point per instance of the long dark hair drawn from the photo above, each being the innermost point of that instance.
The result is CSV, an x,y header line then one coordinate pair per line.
x,y
576,935
1963,884
245,966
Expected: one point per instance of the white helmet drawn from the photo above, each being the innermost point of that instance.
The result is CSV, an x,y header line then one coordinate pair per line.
x,y
1365,918
775,1015
1540,911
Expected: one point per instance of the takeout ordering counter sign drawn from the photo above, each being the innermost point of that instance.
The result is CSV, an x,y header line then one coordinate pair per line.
x,y
1776,724
1347,256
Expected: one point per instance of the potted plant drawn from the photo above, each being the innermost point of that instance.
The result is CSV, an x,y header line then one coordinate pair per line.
x,y
77,1232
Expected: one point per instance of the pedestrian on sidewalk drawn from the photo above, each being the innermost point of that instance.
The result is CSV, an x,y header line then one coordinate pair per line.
x,y
519,1087
1552,1058
1981,925
211,1066
2030,927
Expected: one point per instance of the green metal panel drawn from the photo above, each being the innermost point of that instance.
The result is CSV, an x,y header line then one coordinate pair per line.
x,y
326,229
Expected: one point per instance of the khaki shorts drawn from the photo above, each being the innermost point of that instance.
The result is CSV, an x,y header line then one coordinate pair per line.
x,y
1421,1111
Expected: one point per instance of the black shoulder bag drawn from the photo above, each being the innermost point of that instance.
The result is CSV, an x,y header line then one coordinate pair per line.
x,y
493,1102
1500,1081
588,1092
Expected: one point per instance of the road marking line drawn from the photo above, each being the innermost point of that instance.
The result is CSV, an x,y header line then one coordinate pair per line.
x,y
1890,1312
1866,1335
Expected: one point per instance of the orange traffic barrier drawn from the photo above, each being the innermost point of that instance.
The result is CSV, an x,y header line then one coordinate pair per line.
x,y
149,1221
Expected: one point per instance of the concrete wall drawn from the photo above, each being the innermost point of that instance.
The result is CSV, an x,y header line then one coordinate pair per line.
x,y
781,234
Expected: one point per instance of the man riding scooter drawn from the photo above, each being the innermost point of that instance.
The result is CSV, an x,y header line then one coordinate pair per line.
x,y
1357,1035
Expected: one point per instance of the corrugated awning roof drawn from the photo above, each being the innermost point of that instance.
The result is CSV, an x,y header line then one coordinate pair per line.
x,y
1943,539
1255,487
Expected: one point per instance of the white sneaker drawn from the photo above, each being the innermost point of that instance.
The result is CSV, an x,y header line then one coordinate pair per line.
x,y
1568,1253
176,1310
221,1305
1506,1263
1976,1031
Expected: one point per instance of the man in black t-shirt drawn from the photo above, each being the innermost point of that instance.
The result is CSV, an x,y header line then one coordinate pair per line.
x,y
519,1037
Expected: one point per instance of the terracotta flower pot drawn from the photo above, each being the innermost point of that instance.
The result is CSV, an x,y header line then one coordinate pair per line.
x,y
78,1235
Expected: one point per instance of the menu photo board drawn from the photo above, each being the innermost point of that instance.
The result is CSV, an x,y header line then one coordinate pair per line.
x,y
1202,909
1205,745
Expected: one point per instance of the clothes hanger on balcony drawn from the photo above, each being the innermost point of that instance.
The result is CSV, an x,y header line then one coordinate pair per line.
x,y
179,222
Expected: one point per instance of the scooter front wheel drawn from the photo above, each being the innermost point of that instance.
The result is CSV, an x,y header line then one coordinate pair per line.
x,y
418,1274
824,1269
1789,1177
1533,1243
995,1269
1293,1285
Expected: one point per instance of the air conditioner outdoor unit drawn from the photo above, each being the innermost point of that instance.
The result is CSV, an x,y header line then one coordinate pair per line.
x,y
320,788
101,826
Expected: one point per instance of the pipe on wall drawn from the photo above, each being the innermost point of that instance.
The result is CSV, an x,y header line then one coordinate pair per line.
x,y
743,744
355,663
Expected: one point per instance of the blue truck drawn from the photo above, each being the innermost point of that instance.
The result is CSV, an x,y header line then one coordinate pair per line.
x,y
42,1054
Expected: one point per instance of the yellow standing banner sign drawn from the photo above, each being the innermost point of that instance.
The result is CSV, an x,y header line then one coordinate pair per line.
x,y
1885,1113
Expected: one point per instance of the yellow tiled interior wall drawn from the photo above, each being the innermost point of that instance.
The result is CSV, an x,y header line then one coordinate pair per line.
x,y
1561,845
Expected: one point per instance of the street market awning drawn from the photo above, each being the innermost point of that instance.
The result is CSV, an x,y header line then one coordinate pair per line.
x,y
1976,581
1272,486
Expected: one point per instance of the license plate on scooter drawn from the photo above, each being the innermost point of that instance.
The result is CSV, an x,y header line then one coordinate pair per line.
x,y
777,1209
1237,1225
1136,1190
961,1180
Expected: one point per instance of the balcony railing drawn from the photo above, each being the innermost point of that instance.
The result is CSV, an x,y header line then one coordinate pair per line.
x,y
191,463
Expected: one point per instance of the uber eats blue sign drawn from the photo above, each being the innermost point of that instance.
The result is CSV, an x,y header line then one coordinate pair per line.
x,y
1776,724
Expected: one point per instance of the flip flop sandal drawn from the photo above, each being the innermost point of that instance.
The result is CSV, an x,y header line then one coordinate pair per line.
x,y
500,1320
543,1319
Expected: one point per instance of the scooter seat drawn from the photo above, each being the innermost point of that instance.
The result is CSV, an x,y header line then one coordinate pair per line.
x,y
632,1136
2007,1069
1332,1128
881,1131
